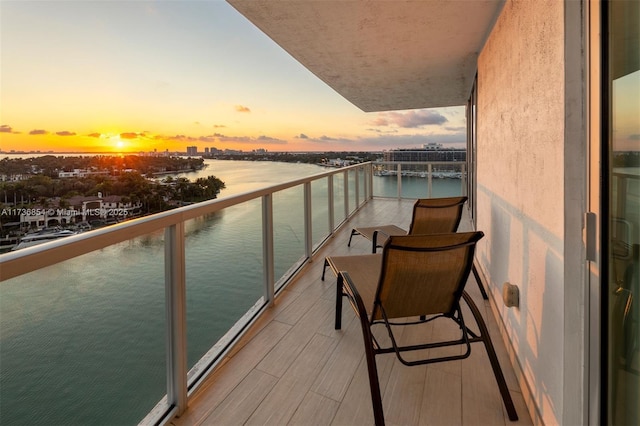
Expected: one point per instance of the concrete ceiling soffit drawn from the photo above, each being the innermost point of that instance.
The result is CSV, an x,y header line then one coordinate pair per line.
x,y
382,55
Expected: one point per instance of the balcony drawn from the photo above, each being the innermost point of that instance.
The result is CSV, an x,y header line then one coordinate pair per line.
x,y
271,358
292,367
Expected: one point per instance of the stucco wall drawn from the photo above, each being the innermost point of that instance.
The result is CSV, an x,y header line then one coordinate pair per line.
x,y
520,183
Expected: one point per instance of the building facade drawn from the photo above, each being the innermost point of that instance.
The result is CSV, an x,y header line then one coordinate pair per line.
x,y
80,209
423,155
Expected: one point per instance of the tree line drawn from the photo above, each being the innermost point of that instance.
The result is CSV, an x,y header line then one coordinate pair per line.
x,y
51,165
130,184
154,196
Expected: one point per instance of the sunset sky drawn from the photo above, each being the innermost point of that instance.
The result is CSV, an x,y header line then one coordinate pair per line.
x,y
117,76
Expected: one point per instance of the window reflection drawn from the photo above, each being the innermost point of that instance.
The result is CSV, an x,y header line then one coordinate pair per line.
x,y
624,207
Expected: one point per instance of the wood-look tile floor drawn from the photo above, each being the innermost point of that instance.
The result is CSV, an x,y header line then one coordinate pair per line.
x,y
293,368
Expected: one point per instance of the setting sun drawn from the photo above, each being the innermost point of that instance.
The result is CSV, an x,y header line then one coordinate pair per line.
x,y
116,142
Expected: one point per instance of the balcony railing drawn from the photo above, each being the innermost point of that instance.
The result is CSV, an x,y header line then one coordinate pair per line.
x,y
451,175
118,315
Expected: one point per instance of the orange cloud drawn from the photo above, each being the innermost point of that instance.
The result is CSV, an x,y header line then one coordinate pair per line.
x,y
241,108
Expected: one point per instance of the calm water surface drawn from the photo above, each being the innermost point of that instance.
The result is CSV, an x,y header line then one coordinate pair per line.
x,y
82,342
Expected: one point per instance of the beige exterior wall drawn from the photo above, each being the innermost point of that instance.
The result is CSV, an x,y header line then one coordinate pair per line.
x,y
521,189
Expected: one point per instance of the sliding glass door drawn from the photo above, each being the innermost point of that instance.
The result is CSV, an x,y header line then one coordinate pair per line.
x,y
620,213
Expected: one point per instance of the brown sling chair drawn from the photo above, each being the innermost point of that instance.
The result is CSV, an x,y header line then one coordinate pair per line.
x,y
430,216
416,279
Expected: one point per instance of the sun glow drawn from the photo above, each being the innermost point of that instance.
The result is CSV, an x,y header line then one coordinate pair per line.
x,y
117,144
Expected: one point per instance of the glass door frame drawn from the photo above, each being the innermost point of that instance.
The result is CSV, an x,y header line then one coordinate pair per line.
x,y
596,137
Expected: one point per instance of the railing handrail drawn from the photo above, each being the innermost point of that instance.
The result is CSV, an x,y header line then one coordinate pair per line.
x,y
19,262
416,163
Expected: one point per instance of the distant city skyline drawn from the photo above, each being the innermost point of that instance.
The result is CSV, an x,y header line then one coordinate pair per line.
x,y
105,76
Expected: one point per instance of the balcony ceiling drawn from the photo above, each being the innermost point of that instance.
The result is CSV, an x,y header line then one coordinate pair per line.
x,y
382,55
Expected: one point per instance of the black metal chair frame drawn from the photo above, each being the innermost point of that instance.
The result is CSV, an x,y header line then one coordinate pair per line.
x,y
345,287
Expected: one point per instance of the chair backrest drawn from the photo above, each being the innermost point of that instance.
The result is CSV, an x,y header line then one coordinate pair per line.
x,y
424,274
436,215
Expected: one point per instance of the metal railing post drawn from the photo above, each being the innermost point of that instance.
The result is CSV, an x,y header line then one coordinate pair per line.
x,y
308,226
357,197
346,193
267,248
399,176
370,181
175,301
429,180
330,195
463,179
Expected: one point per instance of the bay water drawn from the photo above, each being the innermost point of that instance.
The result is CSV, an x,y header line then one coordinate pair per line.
x,y
83,342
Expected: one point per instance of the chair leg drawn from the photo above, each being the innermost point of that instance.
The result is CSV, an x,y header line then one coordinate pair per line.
x,y
493,358
372,369
479,281
353,232
324,268
374,242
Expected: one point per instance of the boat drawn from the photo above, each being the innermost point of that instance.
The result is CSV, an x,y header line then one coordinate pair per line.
x,y
43,236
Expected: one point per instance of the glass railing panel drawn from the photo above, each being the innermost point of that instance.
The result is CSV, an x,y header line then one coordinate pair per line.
x,y
338,198
353,200
385,184
447,180
362,184
83,341
414,186
224,273
288,229
417,181
319,211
